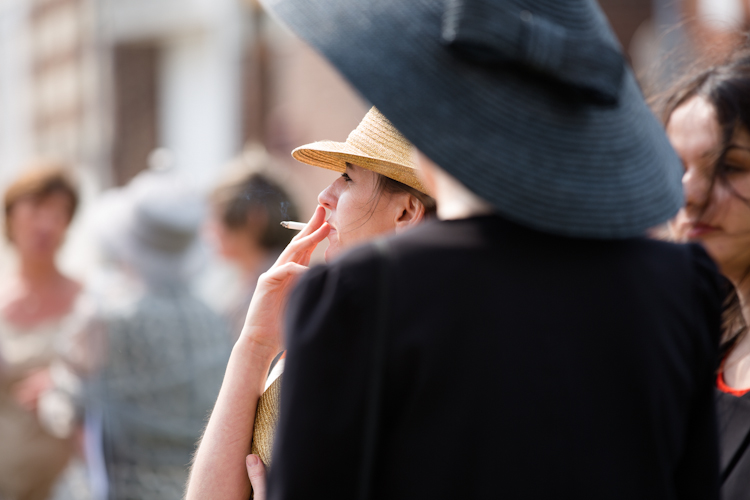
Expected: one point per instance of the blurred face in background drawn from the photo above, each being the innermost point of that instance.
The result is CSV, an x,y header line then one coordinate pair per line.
x,y
717,190
359,209
37,225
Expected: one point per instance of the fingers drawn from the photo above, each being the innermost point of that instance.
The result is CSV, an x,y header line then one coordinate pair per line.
x,y
309,236
317,219
301,247
256,471
309,243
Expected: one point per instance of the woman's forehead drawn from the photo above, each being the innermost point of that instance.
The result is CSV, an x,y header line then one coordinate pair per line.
x,y
54,197
353,168
694,130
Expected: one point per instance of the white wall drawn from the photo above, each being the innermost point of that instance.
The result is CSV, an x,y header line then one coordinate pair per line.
x,y
200,100
15,109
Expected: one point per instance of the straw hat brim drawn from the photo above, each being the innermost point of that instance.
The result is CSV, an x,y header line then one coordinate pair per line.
x,y
335,155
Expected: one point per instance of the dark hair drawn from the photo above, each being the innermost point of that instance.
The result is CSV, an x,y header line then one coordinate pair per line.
x,y
391,186
256,200
39,180
726,86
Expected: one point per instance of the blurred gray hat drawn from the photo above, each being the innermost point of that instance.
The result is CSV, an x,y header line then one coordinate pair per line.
x,y
529,103
152,226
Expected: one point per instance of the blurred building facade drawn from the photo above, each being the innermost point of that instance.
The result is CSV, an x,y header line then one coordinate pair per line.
x,y
102,83
48,89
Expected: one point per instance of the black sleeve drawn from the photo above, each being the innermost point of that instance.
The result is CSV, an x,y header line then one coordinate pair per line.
x,y
320,432
697,476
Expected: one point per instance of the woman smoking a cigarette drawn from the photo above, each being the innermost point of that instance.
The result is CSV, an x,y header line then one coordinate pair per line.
x,y
372,196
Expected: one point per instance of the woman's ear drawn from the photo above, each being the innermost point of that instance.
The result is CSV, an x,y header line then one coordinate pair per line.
x,y
411,213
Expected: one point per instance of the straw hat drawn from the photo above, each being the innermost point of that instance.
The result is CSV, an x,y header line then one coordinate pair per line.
x,y
267,417
375,145
528,103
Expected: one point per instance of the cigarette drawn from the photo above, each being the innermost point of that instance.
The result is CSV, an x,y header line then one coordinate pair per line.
x,y
295,226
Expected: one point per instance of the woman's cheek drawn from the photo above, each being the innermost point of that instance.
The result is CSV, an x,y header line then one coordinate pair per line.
x,y
333,247
20,230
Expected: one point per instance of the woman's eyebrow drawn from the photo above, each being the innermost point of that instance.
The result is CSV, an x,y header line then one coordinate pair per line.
x,y
713,154
735,146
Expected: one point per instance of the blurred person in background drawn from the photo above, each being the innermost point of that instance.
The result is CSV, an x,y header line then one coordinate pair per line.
x,y
150,353
378,193
35,303
247,208
707,116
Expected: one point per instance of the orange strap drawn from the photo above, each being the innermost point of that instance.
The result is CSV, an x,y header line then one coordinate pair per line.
x,y
723,387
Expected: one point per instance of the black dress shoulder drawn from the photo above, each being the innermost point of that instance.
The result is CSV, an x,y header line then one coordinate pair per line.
x,y
734,439
518,365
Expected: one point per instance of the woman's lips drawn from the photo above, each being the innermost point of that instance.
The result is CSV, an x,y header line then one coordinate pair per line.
x,y
698,229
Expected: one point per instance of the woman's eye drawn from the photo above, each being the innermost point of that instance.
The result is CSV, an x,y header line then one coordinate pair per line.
x,y
346,177
734,169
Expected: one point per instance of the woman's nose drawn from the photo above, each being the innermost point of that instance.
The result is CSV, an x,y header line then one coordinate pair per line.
x,y
697,187
329,197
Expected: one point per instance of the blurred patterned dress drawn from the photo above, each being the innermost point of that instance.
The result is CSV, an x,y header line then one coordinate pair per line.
x,y
163,361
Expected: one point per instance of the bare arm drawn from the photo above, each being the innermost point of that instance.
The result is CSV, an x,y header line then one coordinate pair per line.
x,y
219,470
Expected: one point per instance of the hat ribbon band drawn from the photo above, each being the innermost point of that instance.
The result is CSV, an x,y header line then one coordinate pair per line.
x,y
486,32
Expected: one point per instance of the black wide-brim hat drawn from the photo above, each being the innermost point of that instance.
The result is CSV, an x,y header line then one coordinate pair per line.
x,y
530,104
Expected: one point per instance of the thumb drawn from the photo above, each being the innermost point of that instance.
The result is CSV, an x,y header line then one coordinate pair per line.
x,y
284,272
256,471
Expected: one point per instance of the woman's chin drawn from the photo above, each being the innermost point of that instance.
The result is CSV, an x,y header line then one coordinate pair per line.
x,y
331,252
38,255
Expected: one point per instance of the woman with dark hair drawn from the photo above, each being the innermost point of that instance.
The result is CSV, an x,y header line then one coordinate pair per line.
x,y
377,193
707,117
34,304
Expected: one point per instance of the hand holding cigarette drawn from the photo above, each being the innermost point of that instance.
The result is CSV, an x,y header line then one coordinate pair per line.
x,y
263,321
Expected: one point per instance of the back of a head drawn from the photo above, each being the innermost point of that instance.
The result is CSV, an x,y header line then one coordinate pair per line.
x,y
251,199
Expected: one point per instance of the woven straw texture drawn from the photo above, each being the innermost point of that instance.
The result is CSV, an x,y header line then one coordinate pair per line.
x,y
375,145
266,417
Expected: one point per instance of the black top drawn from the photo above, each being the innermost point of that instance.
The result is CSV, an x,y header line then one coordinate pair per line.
x,y
734,438
518,365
